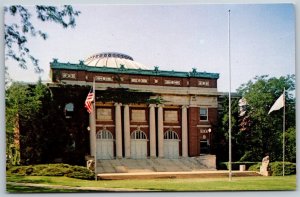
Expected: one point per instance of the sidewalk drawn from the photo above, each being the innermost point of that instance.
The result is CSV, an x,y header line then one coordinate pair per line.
x,y
189,174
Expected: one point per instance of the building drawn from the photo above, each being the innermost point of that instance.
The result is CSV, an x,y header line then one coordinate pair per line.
x,y
141,112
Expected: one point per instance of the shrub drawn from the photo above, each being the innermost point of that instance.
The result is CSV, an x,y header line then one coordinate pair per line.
x,y
222,166
235,165
276,168
255,167
79,172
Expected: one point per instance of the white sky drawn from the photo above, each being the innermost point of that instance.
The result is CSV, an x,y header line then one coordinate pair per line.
x,y
175,37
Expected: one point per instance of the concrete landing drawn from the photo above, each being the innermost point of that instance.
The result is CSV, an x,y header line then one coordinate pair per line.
x,y
168,175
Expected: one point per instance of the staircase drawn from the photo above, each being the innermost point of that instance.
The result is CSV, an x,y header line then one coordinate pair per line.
x,y
154,165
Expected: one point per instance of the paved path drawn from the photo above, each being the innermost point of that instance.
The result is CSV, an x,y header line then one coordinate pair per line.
x,y
190,174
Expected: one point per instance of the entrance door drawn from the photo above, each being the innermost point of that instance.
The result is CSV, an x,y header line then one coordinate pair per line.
x,y
171,145
105,145
138,145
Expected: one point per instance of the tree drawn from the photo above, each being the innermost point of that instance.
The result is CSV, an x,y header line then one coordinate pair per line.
x,y
16,34
265,132
32,118
221,135
255,133
19,105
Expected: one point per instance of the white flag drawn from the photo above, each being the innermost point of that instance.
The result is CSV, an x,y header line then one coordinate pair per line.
x,y
279,103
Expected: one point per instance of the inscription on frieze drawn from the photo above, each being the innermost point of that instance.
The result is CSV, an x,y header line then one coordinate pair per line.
x,y
172,82
137,80
203,83
68,75
103,78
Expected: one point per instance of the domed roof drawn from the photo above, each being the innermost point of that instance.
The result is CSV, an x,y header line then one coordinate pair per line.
x,y
113,60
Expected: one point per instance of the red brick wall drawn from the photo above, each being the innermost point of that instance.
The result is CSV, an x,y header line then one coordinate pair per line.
x,y
193,143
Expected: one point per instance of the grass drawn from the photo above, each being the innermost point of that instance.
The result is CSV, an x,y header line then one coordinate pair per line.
x,y
28,189
194,184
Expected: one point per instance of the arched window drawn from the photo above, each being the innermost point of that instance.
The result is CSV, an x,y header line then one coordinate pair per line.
x,y
104,134
138,134
169,134
69,110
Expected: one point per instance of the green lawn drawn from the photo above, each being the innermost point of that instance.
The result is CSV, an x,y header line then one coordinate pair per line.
x,y
194,184
28,189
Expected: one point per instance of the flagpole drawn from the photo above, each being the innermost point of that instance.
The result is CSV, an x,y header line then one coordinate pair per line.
x,y
229,129
283,135
94,125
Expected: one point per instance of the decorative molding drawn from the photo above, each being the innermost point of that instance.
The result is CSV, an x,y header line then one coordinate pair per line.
x,y
69,66
104,125
204,126
173,126
141,126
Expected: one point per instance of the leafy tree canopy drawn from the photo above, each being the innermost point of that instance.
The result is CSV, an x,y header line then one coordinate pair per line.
x,y
255,133
16,33
266,129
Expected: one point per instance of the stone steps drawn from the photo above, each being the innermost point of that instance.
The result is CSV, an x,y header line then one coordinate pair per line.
x,y
150,165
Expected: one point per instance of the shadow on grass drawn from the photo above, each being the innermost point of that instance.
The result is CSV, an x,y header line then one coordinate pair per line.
x,y
28,189
25,179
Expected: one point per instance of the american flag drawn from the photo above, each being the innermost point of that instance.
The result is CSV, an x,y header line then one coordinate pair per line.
x,y
88,102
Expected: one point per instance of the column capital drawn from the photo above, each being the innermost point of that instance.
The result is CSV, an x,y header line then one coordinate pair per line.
x,y
152,105
118,104
160,105
185,106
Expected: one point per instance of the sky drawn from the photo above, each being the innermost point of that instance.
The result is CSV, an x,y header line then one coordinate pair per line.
x,y
262,42
174,37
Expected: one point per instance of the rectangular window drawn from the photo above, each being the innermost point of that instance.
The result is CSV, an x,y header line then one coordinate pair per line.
x,y
203,114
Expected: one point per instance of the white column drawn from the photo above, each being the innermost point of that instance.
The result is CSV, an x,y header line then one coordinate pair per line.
x,y
184,131
92,133
152,130
127,131
118,127
160,132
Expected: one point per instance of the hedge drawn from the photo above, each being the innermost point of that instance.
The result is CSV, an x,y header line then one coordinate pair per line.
x,y
276,168
79,172
235,165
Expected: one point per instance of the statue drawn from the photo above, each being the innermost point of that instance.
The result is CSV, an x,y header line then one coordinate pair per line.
x,y
90,164
265,169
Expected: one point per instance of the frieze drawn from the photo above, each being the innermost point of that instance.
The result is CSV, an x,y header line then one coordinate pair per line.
x,y
136,80
172,82
203,83
103,78
68,75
